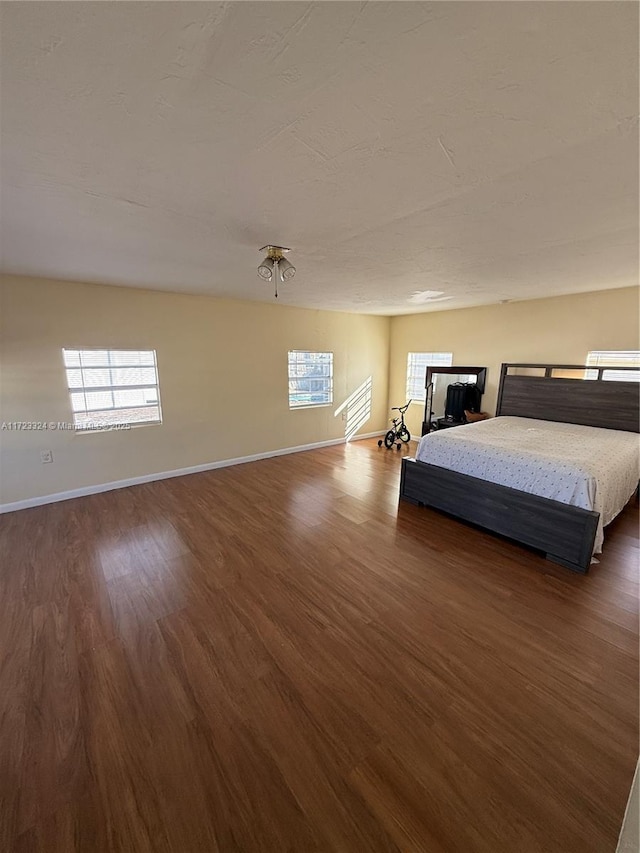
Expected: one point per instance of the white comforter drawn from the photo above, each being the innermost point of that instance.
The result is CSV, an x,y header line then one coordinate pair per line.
x,y
596,469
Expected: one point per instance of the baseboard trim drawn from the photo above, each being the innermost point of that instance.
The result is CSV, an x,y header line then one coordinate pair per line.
x,y
178,472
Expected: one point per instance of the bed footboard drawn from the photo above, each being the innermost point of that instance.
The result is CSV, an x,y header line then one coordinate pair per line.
x,y
565,533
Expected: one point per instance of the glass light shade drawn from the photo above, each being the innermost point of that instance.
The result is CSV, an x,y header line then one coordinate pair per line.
x,y
287,269
265,270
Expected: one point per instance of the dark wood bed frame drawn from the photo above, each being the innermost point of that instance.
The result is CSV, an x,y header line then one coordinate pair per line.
x,y
564,533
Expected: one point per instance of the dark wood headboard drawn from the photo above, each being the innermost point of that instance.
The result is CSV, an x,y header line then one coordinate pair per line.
x,y
553,397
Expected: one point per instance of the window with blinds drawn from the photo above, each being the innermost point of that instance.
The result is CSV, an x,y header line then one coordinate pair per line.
x,y
310,379
613,359
417,363
112,387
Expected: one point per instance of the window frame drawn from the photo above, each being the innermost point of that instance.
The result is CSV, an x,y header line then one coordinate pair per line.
x,y
412,377
105,426
293,378
597,359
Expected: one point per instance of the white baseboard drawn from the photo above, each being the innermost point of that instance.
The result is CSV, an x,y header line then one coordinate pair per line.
x,y
178,472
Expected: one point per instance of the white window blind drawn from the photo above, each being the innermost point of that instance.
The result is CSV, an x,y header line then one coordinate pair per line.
x,y
417,363
613,359
112,387
310,379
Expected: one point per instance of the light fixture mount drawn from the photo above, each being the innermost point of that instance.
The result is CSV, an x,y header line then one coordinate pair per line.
x,y
274,252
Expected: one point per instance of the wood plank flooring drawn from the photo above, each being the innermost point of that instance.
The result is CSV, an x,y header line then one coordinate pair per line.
x,y
278,657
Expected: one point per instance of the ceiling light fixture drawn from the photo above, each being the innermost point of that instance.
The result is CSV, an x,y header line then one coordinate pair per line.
x,y
265,270
275,265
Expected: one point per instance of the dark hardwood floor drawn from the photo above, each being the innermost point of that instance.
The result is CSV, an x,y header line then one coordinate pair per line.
x,y
276,657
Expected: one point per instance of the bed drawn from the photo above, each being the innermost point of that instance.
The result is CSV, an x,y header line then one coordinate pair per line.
x,y
556,465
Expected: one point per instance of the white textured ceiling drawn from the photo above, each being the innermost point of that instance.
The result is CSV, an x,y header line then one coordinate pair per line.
x,y
485,150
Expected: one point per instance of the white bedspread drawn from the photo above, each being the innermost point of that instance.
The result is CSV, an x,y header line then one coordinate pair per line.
x,y
596,469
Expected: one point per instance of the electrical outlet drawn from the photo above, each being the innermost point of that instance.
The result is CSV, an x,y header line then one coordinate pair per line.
x,y
46,456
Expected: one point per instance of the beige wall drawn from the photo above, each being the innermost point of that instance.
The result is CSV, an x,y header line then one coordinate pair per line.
x,y
222,367
560,330
223,379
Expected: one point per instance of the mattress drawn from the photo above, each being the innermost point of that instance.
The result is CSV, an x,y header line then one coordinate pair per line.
x,y
588,467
